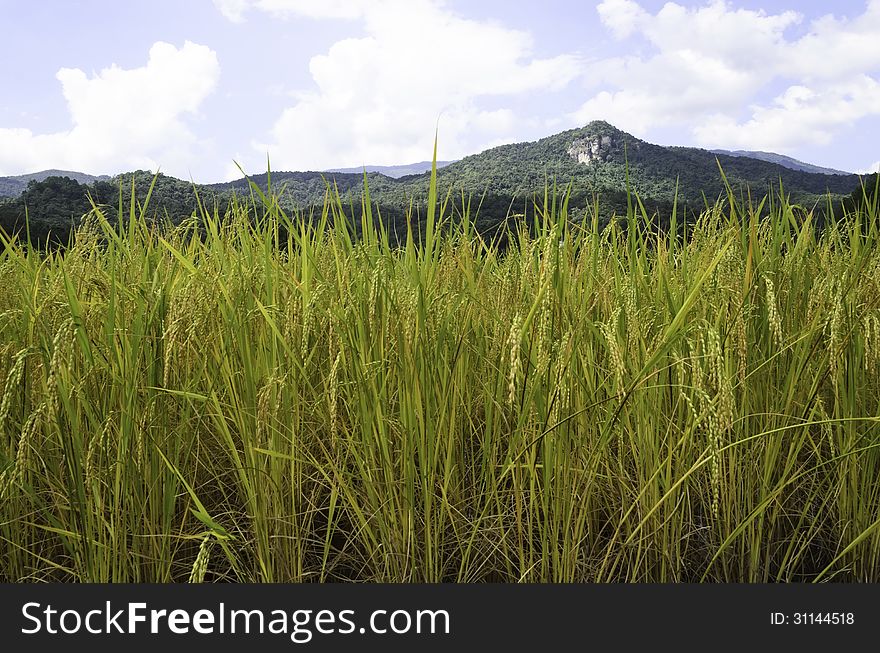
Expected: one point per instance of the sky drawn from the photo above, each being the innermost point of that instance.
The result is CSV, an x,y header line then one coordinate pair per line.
x,y
206,89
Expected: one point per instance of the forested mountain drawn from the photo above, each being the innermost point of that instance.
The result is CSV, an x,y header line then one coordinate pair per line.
x,y
782,160
596,157
16,185
598,160
48,209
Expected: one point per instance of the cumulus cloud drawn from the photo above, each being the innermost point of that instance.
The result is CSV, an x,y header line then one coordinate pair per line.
x,y
836,48
799,116
710,67
121,118
871,169
378,98
669,88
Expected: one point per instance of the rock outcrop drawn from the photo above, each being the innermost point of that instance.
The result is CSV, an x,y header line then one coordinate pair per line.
x,y
591,149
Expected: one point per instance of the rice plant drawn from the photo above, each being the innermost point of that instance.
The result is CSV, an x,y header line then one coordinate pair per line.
x,y
289,398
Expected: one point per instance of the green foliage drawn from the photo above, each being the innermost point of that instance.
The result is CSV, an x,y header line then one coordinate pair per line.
x,y
867,194
511,175
50,209
14,186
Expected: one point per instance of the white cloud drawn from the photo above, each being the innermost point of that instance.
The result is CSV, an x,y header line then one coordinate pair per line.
x,y
378,98
121,119
671,87
234,10
621,16
836,48
349,9
871,169
799,116
706,64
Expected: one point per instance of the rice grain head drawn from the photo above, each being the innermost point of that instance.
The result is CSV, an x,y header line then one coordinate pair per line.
x,y
333,394
614,352
835,337
513,340
200,565
773,312
562,388
61,346
15,475
13,383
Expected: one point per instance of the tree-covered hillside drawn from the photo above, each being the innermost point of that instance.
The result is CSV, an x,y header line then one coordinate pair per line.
x,y
16,185
48,209
594,164
597,158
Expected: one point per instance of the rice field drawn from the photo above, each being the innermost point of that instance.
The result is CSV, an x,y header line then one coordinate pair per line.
x,y
249,404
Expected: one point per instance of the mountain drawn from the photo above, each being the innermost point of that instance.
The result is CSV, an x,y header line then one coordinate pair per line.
x,y
782,160
597,160
395,172
14,186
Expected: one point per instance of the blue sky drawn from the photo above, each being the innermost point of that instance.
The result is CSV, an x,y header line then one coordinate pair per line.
x,y
193,87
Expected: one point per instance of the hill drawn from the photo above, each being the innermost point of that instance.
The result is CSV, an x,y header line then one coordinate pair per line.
x,y
782,160
15,185
597,158
395,172
49,208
